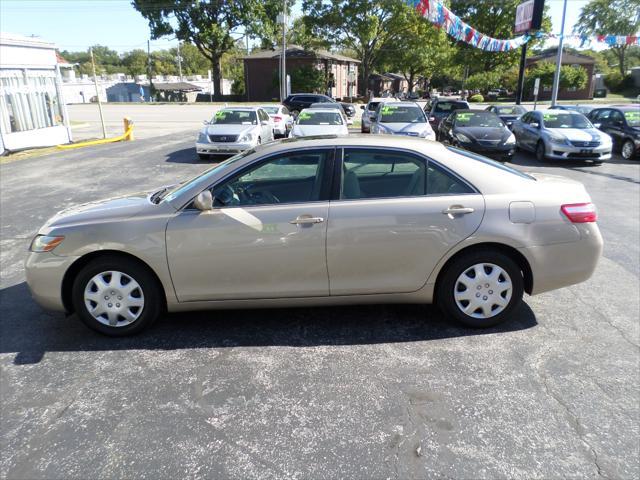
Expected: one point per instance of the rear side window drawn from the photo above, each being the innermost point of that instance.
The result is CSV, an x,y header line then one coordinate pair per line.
x,y
488,161
376,173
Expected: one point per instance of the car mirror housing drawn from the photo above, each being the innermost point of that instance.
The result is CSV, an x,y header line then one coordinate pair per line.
x,y
597,125
264,122
205,122
361,107
535,125
204,201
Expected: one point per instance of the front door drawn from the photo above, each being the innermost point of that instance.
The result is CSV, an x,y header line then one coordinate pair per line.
x,y
265,237
388,228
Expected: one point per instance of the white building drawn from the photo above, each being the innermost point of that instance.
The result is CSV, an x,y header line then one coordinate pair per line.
x,y
32,110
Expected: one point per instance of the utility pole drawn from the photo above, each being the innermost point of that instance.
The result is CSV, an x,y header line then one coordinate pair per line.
x,y
149,70
95,82
284,49
556,76
179,62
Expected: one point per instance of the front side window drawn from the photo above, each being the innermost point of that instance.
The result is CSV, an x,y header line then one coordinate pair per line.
x,y
235,117
401,114
290,178
369,174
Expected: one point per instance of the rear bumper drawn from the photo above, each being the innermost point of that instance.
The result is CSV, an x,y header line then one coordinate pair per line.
x,y
222,148
560,265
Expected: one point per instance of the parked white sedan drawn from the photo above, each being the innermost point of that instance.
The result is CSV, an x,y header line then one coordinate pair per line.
x,y
233,130
319,121
281,118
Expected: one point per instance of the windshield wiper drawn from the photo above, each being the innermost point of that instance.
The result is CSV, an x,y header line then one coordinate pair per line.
x,y
159,195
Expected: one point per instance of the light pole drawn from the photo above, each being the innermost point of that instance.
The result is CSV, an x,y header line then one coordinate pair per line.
x,y
556,76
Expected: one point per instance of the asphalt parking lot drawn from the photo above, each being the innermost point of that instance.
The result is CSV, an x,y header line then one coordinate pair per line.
x,y
360,392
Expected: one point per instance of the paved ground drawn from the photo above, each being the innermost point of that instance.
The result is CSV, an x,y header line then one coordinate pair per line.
x,y
370,392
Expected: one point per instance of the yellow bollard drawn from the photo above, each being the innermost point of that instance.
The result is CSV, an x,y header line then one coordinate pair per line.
x,y
128,128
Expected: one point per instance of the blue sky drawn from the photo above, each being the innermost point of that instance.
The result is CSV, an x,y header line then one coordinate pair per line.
x,y
77,24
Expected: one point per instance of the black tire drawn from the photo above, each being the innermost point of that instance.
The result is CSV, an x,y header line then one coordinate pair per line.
x,y
447,283
540,152
628,150
203,156
152,291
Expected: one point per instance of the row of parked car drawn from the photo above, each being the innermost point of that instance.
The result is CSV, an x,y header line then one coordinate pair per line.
x,y
560,133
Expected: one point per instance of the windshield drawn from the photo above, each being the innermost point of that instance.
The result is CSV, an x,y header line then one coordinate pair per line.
x,y
510,110
401,114
234,117
633,118
478,119
271,110
442,107
308,117
565,120
184,186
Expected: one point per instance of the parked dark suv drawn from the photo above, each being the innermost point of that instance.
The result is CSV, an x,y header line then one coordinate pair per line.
x,y
622,123
439,109
297,101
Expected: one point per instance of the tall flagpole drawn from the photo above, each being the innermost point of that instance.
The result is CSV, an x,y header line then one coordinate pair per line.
x,y
556,76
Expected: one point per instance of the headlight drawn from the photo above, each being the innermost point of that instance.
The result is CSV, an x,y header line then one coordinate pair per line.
x,y
247,137
382,129
45,243
558,139
427,134
511,140
203,138
463,138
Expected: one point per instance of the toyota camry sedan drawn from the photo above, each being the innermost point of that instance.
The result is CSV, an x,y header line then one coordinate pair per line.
x,y
321,221
401,118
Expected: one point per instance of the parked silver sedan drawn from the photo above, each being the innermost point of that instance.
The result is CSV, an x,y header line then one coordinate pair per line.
x,y
233,130
561,135
401,118
321,221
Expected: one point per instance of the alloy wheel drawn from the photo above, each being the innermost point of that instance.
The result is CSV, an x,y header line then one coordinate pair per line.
x,y
483,290
114,298
627,150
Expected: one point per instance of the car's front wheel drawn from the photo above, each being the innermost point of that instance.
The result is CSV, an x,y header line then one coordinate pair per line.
x,y
116,296
628,150
480,289
541,153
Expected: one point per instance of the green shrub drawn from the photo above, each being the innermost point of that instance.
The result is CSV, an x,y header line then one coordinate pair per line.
x,y
476,98
617,83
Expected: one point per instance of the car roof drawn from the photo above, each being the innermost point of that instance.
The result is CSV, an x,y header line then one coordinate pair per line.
x,y
334,106
246,109
324,109
625,107
403,104
269,106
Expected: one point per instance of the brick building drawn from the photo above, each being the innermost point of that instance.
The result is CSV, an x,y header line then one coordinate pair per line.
x,y
568,58
261,72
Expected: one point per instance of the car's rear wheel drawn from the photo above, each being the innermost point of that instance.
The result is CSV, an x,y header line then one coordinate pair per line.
x,y
480,289
628,150
116,296
541,154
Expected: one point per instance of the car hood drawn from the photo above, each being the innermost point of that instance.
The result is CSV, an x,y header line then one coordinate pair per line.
x,y
578,134
407,127
229,129
117,208
484,133
310,130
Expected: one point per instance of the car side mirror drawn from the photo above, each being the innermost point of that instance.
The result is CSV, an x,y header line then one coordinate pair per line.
x,y
361,107
534,125
205,122
204,201
264,122
597,125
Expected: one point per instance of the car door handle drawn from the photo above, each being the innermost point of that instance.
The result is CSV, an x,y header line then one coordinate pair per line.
x,y
457,210
306,220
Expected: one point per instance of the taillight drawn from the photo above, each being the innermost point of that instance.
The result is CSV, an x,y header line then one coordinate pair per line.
x,y
580,212
277,118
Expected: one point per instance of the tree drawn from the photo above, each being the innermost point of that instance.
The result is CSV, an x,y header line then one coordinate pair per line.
x,y
614,17
570,76
208,25
495,19
193,62
135,62
307,79
484,81
300,34
366,27
420,50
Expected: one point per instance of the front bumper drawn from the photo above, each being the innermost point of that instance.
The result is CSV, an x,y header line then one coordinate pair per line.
x,y
44,273
569,152
222,148
495,151
563,264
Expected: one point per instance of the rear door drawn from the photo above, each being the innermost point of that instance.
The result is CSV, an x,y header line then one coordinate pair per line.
x,y
388,221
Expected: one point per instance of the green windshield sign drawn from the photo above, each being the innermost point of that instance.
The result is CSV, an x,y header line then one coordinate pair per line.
x,y
464,117
388,110
304,116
